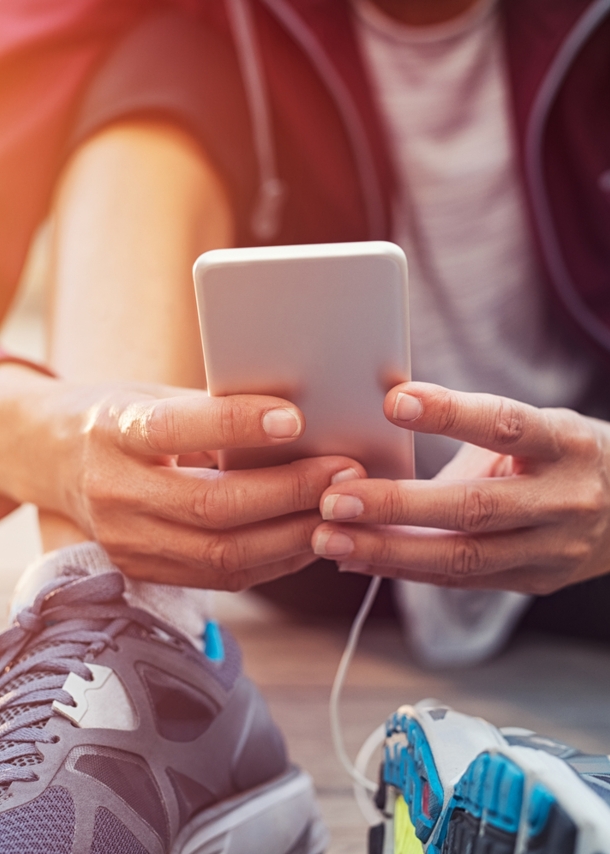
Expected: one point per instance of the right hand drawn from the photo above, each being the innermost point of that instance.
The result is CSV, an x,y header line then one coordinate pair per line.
x,y
125,464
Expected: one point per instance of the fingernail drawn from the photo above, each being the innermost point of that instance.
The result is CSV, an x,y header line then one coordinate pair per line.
x,y
407,407
345,474
341,507
281,423
331,544
354,566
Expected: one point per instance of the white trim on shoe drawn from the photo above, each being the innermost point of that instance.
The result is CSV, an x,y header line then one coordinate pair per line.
x,y
279,818
580,803
455,739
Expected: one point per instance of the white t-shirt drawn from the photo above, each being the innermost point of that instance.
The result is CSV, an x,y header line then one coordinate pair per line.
x,y
479,318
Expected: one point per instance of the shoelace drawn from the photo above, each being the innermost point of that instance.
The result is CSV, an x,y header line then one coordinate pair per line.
x,y
70,622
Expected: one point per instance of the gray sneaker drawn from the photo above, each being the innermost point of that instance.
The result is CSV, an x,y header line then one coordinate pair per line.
x,y
446,627
118,737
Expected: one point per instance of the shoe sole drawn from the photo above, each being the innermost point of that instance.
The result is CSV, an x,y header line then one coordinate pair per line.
x,y
512,800
279,818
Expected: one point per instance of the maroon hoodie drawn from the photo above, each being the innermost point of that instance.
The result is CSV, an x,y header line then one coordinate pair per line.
x,y
325,138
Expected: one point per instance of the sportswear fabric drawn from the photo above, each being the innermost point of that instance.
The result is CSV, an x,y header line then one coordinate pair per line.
x,y
479,313
75,60
329,142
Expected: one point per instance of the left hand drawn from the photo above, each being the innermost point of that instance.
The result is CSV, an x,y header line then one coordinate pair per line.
x,y
525,505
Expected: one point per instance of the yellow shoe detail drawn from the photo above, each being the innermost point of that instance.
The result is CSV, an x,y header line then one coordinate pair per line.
x,y
405,840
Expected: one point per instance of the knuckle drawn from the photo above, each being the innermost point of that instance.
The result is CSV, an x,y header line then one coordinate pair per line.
x,y
582,441
478,511
382,552
161,427
466,558
229,416
301,488
214,505
576,553
555,421
448,412
509,425
223,555
588,444
591,502
390,508
576,435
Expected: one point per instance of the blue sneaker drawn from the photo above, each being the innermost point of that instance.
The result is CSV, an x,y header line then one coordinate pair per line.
x,y
454,784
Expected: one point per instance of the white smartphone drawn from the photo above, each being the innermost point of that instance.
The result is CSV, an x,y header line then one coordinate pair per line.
x,y
325,326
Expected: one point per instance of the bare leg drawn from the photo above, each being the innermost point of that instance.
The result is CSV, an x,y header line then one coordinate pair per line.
x,y
134,208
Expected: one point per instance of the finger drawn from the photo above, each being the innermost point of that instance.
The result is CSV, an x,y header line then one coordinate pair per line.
x,y
438,554
189,423
525,579
224,553
497,423
163,571
473,462
474,506
211,499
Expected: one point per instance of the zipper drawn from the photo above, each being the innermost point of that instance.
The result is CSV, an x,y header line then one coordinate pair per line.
x,y
534,167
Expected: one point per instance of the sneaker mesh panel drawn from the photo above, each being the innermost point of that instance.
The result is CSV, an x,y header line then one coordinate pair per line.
x,y
132,783
43,826
110,836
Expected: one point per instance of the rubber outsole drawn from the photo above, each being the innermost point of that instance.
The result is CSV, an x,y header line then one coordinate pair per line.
x,y
508,801
279,818
485,813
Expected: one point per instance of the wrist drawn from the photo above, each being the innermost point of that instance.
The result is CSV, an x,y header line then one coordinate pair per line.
x,y
30,427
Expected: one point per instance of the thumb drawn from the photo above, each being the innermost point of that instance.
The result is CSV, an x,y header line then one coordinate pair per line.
x,y
190,423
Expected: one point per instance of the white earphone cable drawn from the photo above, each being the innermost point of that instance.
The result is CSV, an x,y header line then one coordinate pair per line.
x,y
357,775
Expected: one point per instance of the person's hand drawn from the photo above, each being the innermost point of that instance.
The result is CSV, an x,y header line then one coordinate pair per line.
x,y
112,460
525,505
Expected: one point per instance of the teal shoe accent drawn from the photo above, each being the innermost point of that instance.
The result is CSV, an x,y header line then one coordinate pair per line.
x,y
539,807
492,806
423,790
409,767
492,790
213,645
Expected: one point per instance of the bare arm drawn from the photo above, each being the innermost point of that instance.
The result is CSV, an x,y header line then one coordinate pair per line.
x,y
99,451
136,206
